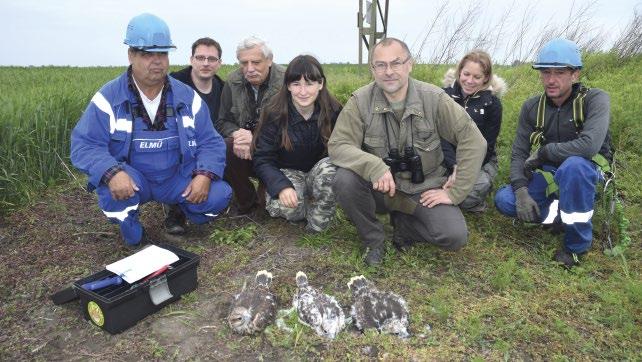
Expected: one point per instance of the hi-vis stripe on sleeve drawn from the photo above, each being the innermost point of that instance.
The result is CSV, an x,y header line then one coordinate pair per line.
x,y
552,212
188,122
120,215
196,106
114,124
196,103
573,217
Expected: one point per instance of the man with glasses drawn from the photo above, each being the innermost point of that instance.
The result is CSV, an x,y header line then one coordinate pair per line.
x,y
562,149
246,92
148,137
200,76
386,144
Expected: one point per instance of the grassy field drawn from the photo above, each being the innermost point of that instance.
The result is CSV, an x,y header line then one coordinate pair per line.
x,y
500,298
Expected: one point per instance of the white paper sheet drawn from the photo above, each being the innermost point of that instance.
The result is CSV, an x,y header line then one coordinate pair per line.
x,y
137,266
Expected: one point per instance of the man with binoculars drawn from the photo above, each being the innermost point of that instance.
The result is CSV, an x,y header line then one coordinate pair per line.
x,y
395,113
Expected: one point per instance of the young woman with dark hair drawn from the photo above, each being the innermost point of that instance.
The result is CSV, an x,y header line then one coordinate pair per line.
x,y
291,146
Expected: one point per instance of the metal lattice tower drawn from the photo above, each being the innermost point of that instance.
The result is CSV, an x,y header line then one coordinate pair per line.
x,y
368,34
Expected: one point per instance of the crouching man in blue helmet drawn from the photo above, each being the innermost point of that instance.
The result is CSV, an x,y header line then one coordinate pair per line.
x,y
146,136
561,149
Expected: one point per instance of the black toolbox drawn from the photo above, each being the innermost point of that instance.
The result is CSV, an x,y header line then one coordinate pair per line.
x,y
118,307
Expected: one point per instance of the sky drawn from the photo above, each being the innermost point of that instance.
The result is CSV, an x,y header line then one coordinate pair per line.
x,y
91,33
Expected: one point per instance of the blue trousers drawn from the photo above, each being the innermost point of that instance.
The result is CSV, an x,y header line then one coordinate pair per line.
x,y
576,178
125,212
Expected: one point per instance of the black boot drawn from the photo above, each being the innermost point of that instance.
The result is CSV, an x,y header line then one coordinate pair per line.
x,y
566,258
175,220
399,242
374,256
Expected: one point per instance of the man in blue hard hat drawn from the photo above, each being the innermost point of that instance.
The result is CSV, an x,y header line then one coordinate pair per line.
x,y
561,150
148,137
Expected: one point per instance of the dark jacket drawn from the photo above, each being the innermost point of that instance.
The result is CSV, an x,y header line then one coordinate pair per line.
x,y
485,109
561,138
212,99
238,106
307,149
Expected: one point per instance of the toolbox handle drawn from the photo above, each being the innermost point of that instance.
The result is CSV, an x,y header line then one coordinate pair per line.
x,y
159,290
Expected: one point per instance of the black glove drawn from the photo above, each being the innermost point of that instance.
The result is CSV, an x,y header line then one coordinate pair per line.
x,y
533,162
527,209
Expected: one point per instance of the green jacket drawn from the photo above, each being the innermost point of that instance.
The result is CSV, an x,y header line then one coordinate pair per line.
x,y
236,106
359,140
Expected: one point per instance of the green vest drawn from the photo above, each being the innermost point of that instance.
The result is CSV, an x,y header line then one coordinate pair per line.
x,y
417,127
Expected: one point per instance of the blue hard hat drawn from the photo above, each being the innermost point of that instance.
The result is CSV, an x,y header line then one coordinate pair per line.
x,y
149,33
559,53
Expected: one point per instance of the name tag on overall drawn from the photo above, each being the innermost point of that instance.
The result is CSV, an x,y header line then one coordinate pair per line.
x,y
155,145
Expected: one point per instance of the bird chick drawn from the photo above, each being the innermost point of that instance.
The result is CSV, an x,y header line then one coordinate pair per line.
x,y
320,311
254,307
385,311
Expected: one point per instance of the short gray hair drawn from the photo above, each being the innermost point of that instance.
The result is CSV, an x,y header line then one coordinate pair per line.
x,y
253,42
389,41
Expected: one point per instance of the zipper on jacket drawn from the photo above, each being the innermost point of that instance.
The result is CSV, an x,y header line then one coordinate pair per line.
x,y
558,123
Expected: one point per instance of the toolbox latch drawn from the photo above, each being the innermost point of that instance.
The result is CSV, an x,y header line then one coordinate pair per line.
x,y
159,290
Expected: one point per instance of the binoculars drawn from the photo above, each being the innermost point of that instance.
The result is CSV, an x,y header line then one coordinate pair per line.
x,y
410,161
250,125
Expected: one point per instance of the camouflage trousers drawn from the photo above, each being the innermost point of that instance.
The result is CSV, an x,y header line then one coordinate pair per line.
x,y
476,199
316,200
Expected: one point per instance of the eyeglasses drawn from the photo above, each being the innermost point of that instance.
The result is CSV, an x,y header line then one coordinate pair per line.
x,y
380,67
202,58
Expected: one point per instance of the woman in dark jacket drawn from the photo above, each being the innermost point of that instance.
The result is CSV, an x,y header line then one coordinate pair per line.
x,y
474,86
291,147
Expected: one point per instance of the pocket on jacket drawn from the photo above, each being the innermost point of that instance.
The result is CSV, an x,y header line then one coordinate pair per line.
x,y
117,144
375,145
429,149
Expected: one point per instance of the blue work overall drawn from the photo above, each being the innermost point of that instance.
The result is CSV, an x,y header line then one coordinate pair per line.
x,y
576,178
154,165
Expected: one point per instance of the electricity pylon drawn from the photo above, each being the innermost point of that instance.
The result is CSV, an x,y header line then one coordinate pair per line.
x,y
368,34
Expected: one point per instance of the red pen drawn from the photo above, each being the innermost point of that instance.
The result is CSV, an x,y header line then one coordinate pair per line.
x,y
156,273
150,276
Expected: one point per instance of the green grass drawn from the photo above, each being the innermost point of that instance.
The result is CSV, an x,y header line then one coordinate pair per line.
x,y
40,106
238,236
499,298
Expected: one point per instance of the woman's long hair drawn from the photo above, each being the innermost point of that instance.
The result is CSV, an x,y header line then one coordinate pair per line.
x,y
278,109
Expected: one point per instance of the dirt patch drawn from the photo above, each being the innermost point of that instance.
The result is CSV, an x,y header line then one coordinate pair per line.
x,y
497,298
48,245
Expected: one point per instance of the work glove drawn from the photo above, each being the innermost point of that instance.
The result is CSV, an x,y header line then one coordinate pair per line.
x,y
527,209
533,162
